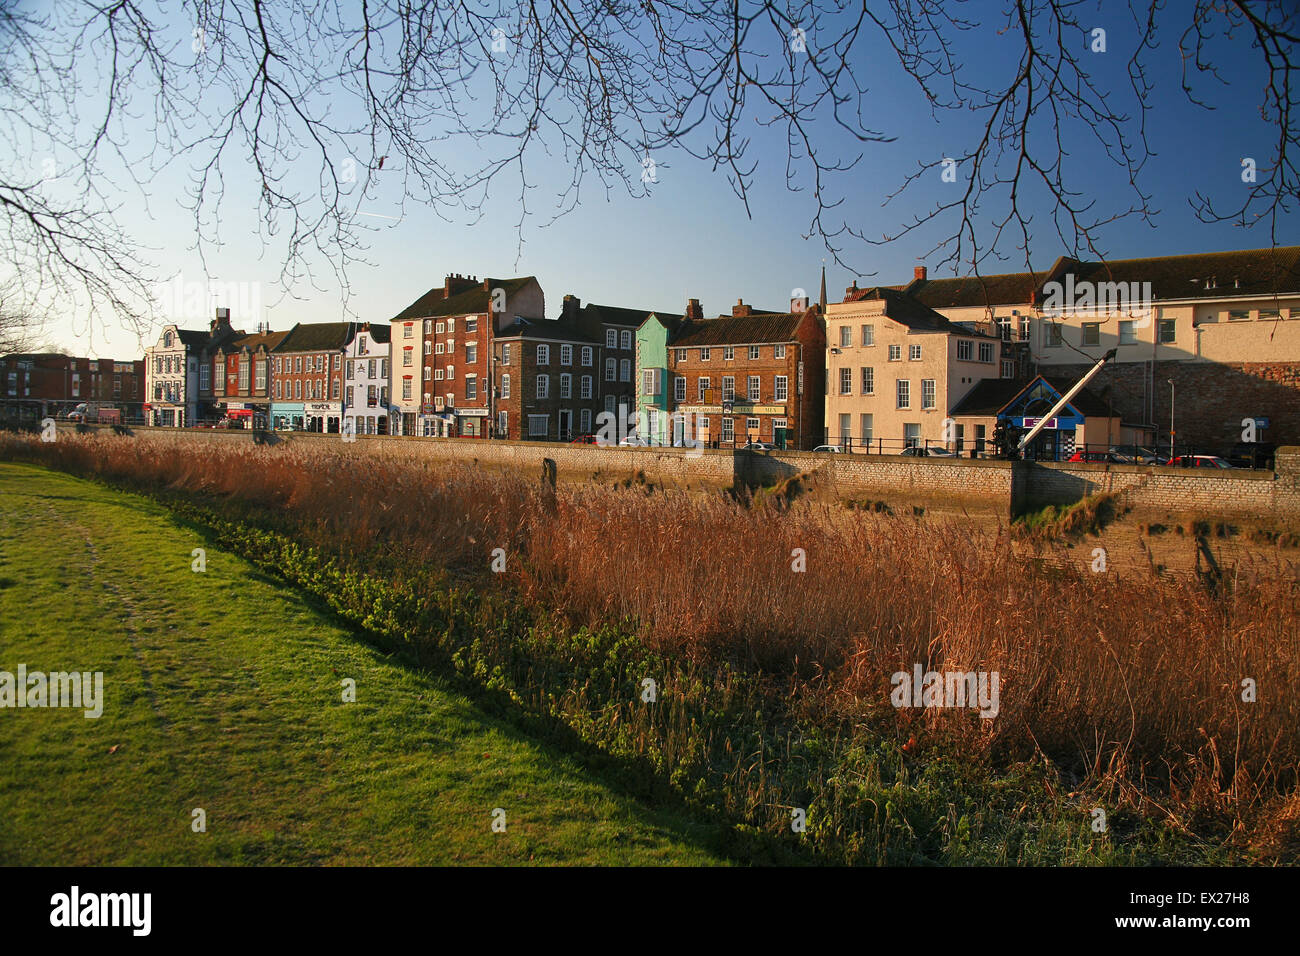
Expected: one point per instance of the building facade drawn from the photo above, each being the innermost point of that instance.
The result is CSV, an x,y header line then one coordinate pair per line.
x,y
236,378
172,371
366,378
307,374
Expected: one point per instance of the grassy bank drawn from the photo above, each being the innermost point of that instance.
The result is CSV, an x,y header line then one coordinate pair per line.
x,y
773,670
224,692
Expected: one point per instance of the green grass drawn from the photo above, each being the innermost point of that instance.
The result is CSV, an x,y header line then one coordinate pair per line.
x,y
224,692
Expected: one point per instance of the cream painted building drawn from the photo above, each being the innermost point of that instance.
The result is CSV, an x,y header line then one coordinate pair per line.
x,y
895,368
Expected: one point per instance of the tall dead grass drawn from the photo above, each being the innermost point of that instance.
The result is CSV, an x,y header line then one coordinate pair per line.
x,y
1133,683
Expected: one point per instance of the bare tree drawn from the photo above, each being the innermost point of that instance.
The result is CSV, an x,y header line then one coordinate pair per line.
x,y
334,105
20,327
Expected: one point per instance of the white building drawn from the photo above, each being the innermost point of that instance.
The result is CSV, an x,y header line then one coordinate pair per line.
x,y
171,371
366,401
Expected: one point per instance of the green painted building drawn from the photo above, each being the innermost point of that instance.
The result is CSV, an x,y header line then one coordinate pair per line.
x,y
654,401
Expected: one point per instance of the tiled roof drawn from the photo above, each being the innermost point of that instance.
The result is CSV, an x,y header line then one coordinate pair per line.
x,y
737,330
317,337
269,340
194,338
1251,272
378,331
908,311
472,300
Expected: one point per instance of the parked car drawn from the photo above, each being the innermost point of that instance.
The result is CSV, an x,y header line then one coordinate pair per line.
x,y
834,449
1253,454
933,451
759,446
1137,455
585,440
1097,456
1198,461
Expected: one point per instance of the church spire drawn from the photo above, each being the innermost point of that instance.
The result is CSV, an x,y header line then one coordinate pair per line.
x,y
823,297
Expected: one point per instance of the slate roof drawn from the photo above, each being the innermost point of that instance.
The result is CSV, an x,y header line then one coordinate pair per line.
x,y
615,315
269,340
472,300
194,338
991,395
550,329
909,311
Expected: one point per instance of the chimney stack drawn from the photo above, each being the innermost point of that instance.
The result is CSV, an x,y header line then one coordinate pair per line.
x,y
455,284
739,310
221,321
569,311
693,309
918,274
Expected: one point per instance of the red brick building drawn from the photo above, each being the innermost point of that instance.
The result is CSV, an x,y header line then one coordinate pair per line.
x,y
307,377
239,379
34,386
751,375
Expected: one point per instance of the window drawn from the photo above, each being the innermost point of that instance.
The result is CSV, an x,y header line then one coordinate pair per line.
x,y
753,352
868,381
537,425
751,427
1008,368
625,370
451,371
408,330
728,388
679,389
297,363
440,328
586,389
428,326
965,350
406,389
584,417
911,435
1238,315
335,385
1004,327
437,374
278,389
704,386
586,355
904,393
611,369
927,393
895,353
505,385
320,363
752,387
846,381
1090,334
648,382
778,351
543,386
451,325
566,385
505,354
609,403
625,339
1266,315
297,389
611,339
338,357
1127,332
471,323
701,425
243,375
681,355
349,370
728,353
543,355
1051,335
471,353
706,354
986,352
728,429
438,349
205,376
471,387
846,336
914,353
866,424
259,374
846,426
406,358
868,335
566,354
1024,328
503,420
1168,328
781,389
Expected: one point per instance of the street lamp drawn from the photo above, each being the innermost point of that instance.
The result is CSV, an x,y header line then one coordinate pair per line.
x,y
1171,419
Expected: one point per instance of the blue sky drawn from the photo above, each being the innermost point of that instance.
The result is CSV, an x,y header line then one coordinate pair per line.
x,y
691,239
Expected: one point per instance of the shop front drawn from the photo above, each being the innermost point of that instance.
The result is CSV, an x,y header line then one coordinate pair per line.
x,y
323,417
471,422
287,416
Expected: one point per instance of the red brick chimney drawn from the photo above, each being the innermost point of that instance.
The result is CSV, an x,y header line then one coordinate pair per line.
x,y
455,284
918,274
740,309
693,310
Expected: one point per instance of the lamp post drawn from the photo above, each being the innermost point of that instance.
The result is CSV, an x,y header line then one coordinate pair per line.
x,y
1171,419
